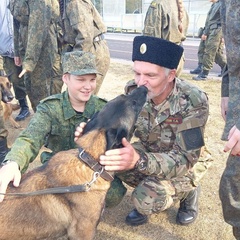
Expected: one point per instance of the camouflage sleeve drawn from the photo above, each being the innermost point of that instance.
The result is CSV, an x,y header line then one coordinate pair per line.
x,y
81,20
186,147
38,28
16,37
225,83
28,144
155,20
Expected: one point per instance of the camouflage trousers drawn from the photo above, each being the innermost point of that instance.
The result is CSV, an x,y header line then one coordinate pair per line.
x,y
102,61
12,72
230,195
45,80
3,130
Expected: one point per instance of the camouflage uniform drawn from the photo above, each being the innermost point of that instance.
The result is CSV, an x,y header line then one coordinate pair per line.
x,y
213,31
53,125
162,20
35,41
83,29
170,139
230,181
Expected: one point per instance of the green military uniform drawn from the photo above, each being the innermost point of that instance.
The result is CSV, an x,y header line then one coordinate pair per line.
x,y
171,137
1,67
162,20
35,42
53,125
229,189
213,30
83,29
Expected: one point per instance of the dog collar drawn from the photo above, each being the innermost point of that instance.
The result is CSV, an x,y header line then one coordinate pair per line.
x,y
94,165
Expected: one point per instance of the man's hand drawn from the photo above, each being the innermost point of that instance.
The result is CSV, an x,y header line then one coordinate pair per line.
x,y
9,172
224,107
22,73
120,159
233,143
17,61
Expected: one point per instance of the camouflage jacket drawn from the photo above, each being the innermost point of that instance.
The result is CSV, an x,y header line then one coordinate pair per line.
x,y
162,21
82,23
230,12
35,32
53,125
171,134
213,19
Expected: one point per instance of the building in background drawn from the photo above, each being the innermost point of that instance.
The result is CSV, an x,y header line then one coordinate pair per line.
x,y
129,15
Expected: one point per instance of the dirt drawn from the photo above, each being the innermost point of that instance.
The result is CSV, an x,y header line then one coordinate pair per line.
x,y
209,224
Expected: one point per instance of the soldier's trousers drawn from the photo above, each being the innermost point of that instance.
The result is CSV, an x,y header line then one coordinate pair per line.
x,y
3,130
12,72
211,49
45,80
229,191
102,55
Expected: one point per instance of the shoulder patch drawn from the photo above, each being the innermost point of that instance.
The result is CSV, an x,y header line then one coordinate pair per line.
x,y
52,97
153,4
193,138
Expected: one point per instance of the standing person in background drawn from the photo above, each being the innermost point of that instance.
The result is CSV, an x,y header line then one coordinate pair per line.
x,y
83,29
229,189
167,20
35,47
211,38
7,52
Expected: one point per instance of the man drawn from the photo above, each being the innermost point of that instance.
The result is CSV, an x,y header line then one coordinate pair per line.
x,y
169,23
7,52
161,165
211,41
35,47
83,29
56,118
229,188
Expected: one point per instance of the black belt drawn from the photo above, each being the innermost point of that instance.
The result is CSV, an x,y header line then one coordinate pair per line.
x,y
98,38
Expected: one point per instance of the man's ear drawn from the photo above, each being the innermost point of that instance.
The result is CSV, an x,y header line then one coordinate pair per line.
x,y
171,75
114,137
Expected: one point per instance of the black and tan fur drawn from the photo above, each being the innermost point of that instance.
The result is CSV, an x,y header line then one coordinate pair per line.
x,y
73,215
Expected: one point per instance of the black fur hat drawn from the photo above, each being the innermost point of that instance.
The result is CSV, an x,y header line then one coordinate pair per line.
x,y
156,50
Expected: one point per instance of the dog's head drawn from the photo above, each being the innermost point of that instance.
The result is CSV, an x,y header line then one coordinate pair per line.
x,y
118,117
5,87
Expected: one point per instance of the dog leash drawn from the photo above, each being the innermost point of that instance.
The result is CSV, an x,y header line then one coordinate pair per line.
x,y
58,190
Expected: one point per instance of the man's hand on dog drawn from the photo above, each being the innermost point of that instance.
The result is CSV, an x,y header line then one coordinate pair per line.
x,y
117,159
9,173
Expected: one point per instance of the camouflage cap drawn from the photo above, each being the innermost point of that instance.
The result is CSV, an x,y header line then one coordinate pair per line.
x,y
79,63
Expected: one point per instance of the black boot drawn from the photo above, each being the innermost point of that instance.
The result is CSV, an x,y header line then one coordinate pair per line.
x,y
188,210
201,76
24,112
134,218
197,70
3,149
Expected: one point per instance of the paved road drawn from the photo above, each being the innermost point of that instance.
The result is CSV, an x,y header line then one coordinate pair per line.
x,y
120,45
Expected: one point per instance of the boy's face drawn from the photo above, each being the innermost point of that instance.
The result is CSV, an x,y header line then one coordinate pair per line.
x,y
80,88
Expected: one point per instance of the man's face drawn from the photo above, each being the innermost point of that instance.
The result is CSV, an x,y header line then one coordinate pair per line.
x,y
80,88
157,79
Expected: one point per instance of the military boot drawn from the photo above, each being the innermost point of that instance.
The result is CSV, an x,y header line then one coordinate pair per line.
x,y
134,218
24,112
197,70
188,210
201,76
3,149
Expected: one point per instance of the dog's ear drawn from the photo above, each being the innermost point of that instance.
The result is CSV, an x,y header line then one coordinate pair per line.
x,y
114,137
91,124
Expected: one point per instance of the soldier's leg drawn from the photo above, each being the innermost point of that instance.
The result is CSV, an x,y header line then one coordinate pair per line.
x,y
102,61
201,49
220,58
56,83
229,192
18,85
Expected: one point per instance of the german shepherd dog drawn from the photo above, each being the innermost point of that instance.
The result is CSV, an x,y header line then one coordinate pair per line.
x,y
7,97
72,215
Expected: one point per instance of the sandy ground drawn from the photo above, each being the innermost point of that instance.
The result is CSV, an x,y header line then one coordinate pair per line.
x,y
209,224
